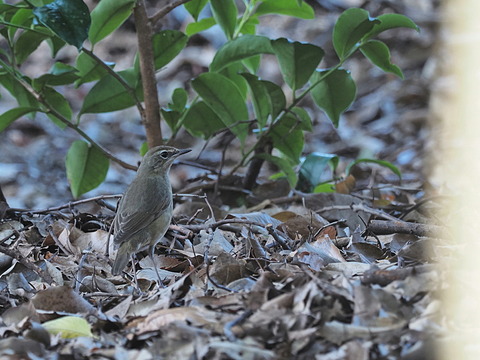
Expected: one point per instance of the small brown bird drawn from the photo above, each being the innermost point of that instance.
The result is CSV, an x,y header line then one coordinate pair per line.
x,y
145,210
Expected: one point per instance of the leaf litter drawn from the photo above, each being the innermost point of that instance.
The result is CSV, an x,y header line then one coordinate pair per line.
x,y
273,283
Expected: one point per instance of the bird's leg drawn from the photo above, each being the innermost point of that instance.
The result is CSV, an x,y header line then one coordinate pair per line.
x,y
151,252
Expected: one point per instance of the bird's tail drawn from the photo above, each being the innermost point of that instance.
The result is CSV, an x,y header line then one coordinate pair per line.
x,y
121,260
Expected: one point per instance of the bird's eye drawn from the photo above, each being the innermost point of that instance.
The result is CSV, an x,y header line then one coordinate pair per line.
x,y
164,154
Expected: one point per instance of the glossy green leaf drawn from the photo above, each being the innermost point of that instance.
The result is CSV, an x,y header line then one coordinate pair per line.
x,y
379,54
107,16
23,97
194,7
297,61
86,167
351,26
288,138
301,116
383,163
179,99
224,98
89,69
225,14
196,27
202,121
391,21
27,43
171,117
286,7
334,94
21,17
11,115
232,72
240,48
59,74
167,44
109,95
313,170
56,44
268,98
69,19
58,102
286,166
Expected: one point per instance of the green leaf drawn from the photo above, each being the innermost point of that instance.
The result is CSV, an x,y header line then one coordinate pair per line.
x,y
11,115
59,74
268,98
351,26
89,69
22,17
109,95
194,7
297,61
286,7
232,72
334,93
225,13
179,99
391,21
383,163
286,166
240,48
27,43
69,19
249,27
195,27
23,97
167,44
224,98
379,54
107,16
288,138
69,327
59,103
313,169
201,121
86,167
301,116
171,117
56,44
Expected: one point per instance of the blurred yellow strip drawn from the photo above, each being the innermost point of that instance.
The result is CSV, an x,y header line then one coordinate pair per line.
x,y
457,106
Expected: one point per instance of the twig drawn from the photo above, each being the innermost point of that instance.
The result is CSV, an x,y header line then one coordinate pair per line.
x,y
381,227
67,205
277,238
219,223
166,9
227,329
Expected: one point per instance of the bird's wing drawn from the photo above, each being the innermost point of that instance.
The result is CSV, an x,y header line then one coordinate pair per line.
x,y
131,221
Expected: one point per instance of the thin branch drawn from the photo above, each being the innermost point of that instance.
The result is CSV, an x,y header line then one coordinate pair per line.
x,y
67,205
121,80
165,10
152,119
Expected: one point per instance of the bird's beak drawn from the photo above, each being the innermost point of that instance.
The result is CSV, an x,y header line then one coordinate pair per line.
x,y
183,151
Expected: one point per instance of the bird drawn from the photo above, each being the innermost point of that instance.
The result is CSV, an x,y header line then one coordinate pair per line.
x,y
145,210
